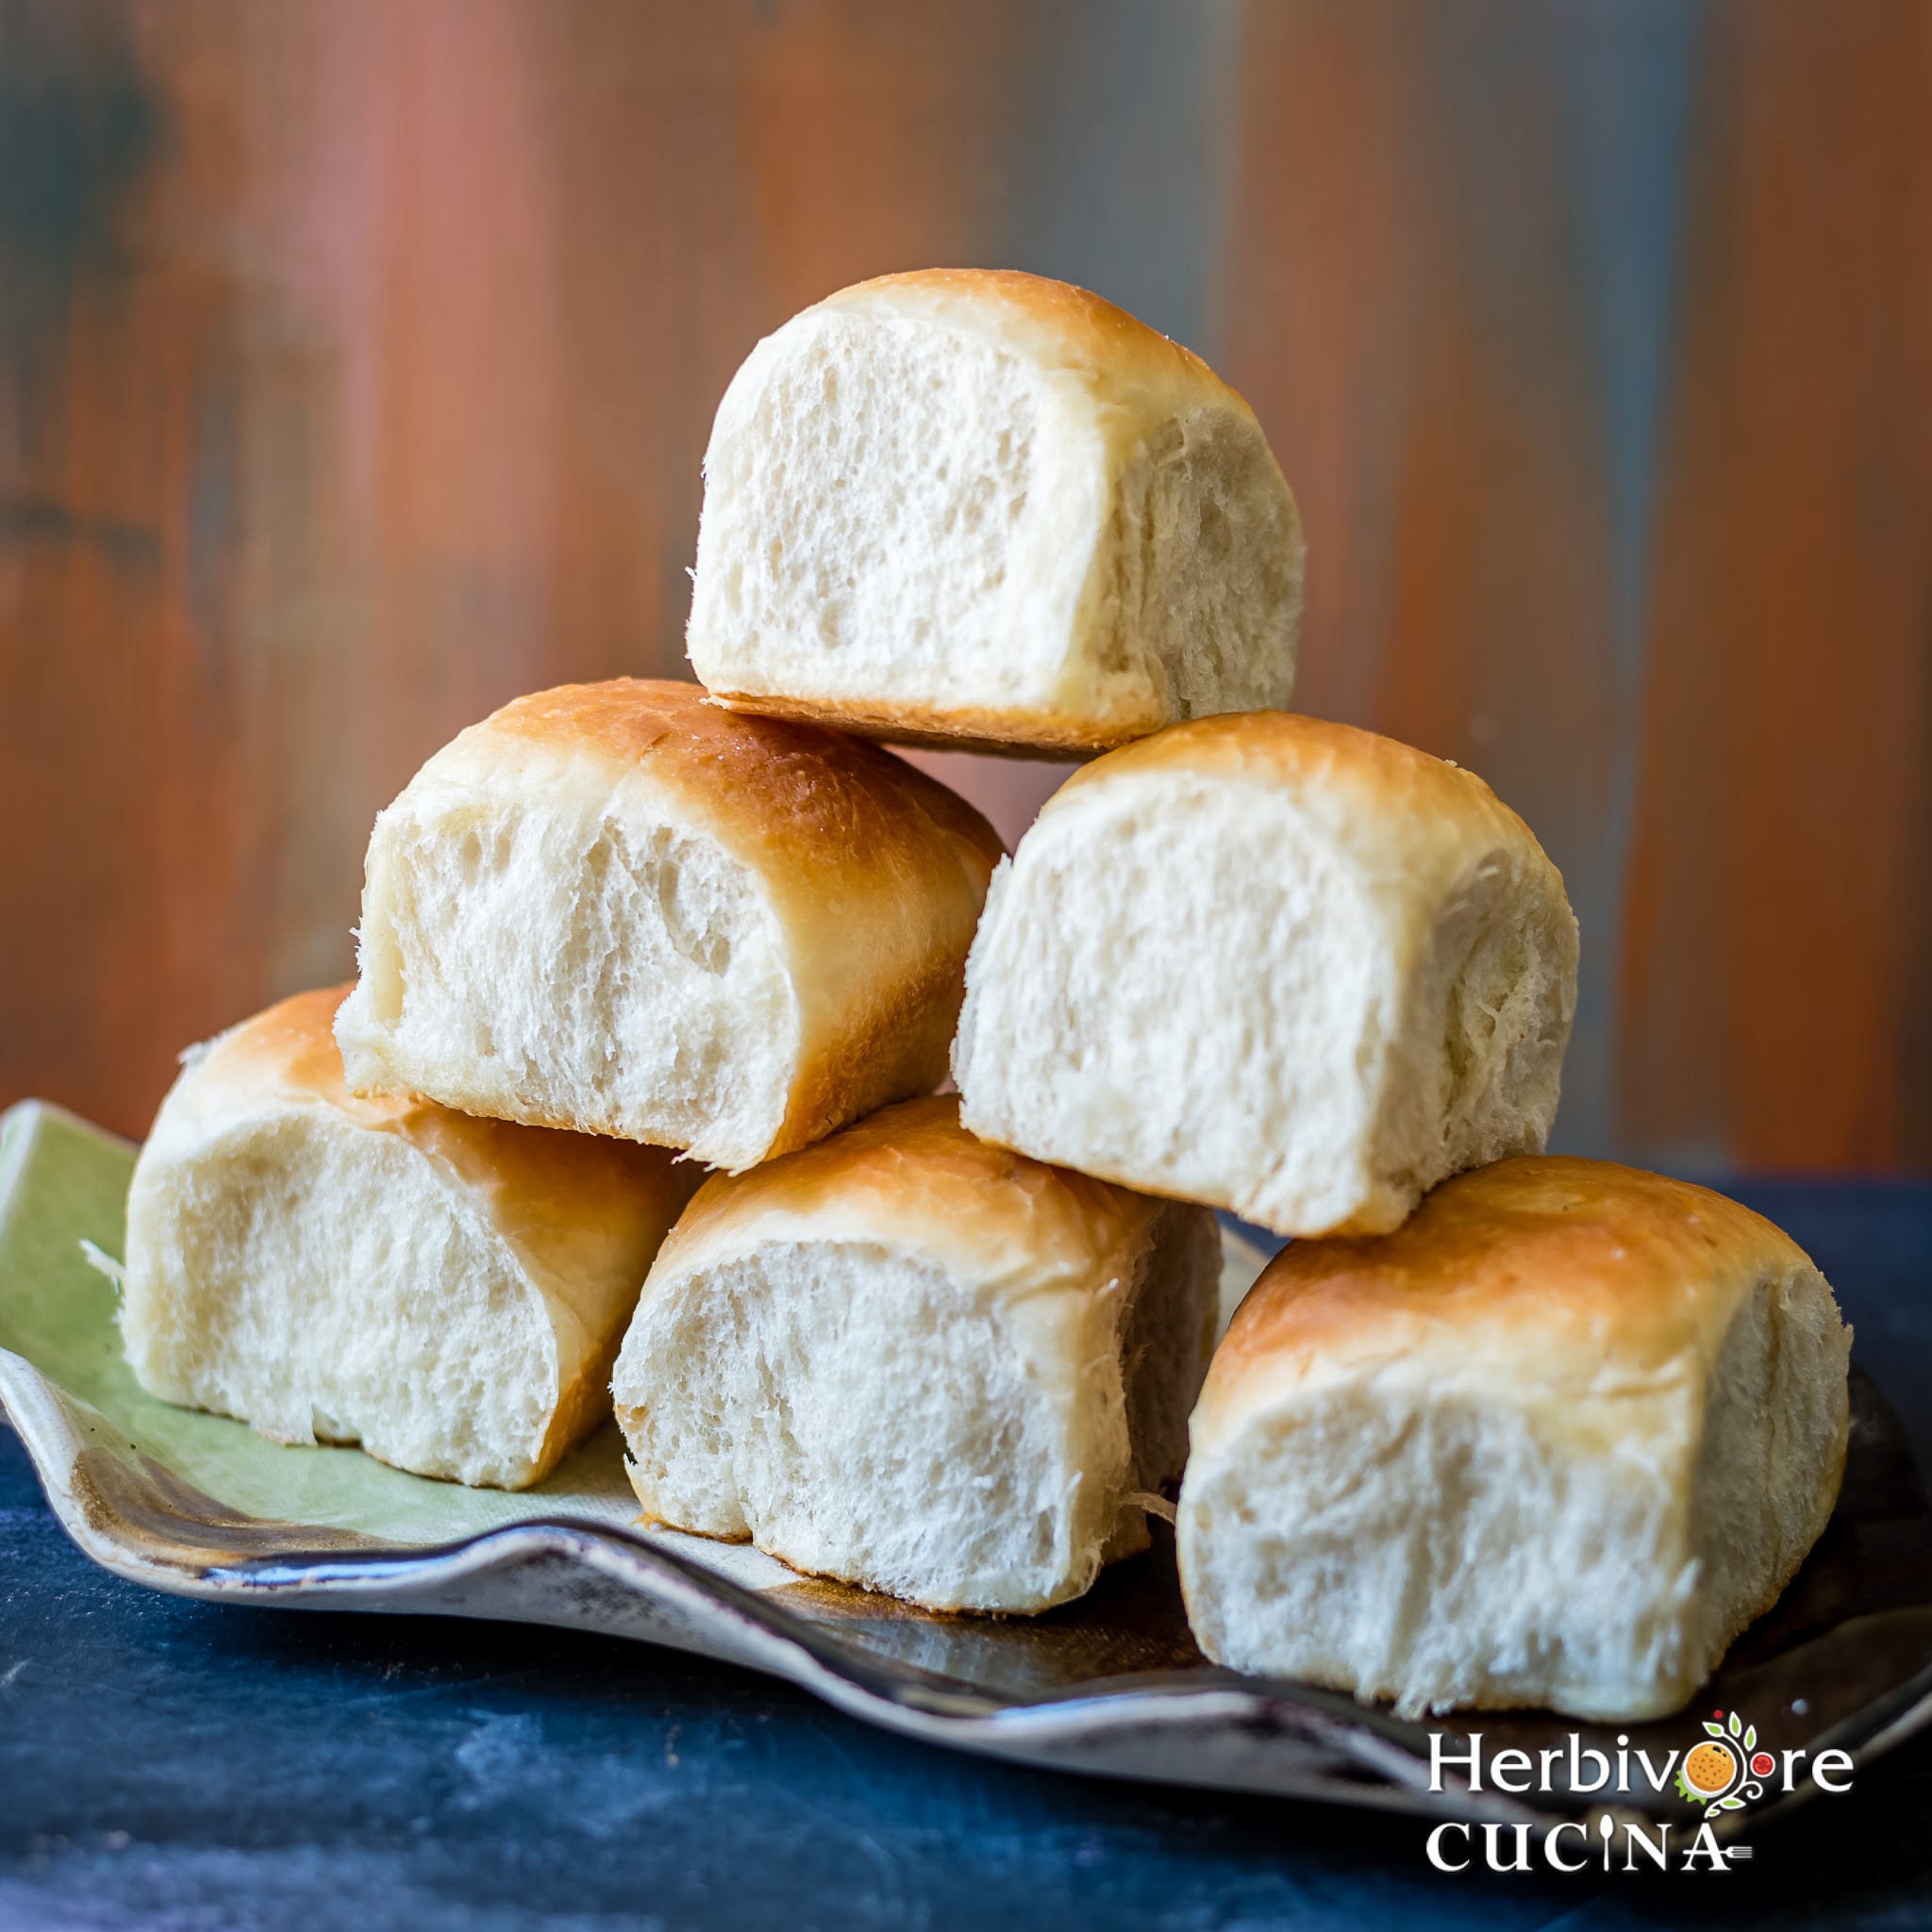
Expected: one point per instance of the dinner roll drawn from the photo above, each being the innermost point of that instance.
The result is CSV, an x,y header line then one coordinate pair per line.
x,y
617,908
1556,1442
447,1292
1275,964
963,506
918,1363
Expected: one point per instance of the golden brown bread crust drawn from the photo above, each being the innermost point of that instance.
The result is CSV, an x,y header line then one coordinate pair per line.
x,y
911,1173
1034,733
538,1182
804,796
1620,1276
1406,819
876,874
1289,749
583,1403
1061,324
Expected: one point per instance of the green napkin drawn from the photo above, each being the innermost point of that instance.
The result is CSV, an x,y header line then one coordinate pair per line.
x,y
63,1182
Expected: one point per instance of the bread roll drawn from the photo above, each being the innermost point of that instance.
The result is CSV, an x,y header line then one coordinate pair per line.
x,y
920,1364
617,908
447,1292
1556,1441
1275,964
967,507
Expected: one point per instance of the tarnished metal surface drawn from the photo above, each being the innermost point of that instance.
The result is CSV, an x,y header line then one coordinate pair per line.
x,y
1111,1685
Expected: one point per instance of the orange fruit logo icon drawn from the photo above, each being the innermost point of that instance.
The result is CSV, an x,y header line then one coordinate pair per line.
x,y
1723,1772
1710,1767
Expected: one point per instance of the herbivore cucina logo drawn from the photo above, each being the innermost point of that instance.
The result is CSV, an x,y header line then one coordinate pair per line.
x,y
1723,1771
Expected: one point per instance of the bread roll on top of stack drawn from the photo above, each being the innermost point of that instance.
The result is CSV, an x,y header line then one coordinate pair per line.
x,y
973,508
1244,959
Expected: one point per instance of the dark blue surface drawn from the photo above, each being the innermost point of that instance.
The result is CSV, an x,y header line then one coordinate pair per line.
x,y
171,1764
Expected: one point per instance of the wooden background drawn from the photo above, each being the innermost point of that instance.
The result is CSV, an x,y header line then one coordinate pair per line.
x,y
356,356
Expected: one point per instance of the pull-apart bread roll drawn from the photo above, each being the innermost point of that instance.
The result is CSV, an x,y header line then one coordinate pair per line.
x,y
1275,964
918,1363
617,908
449,1292
1555,1443
965,506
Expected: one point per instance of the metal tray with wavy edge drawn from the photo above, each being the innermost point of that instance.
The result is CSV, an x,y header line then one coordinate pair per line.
x,y
1110,1685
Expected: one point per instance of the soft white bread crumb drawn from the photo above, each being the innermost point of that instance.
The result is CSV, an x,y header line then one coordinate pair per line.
x,y
617,908
1278,965
447,1292
1555,1443
972,507
918,1363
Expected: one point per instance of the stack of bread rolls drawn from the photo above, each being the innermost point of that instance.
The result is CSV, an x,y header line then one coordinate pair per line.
x,y
1495,1429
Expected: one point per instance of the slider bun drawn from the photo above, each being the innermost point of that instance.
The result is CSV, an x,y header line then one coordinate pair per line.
x,y
1278,965
918,1363
965,506
617,908
447,1292
1556,1441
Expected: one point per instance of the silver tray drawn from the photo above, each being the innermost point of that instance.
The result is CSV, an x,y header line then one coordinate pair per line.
x,y
1112,1685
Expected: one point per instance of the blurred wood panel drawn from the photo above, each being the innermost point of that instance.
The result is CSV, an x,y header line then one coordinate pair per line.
x,y
1408,313
1778,956
356,361
1589,337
